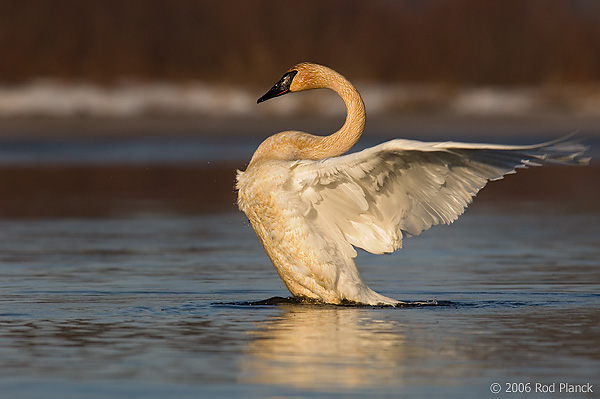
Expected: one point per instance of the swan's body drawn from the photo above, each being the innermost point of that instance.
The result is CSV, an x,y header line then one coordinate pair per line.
x,y
310,205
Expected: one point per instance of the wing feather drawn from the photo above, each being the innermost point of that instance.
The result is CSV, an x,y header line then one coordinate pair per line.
x,y
370,198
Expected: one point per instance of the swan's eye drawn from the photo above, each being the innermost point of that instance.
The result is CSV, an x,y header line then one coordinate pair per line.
x,y
280,88
286,80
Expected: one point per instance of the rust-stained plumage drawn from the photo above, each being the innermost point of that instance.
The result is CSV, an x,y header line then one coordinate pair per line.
x,y
310,205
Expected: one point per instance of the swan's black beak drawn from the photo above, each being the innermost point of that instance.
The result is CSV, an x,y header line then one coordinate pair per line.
x,y
280,88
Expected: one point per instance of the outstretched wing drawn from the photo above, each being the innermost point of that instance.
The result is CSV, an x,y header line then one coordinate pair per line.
x,y
370,198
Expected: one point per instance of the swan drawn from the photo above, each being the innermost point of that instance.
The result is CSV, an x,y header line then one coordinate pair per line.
x,y
310,205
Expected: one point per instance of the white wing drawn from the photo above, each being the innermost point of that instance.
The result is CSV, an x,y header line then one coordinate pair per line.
x,y
369,198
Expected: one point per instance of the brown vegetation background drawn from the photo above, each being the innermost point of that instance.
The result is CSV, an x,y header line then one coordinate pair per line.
x,y
502,42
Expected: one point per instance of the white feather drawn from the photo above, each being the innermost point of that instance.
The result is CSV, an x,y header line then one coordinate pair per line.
x,y
374,195
311,206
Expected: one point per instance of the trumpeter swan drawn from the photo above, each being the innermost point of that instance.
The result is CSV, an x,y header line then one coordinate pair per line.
x,y
310,205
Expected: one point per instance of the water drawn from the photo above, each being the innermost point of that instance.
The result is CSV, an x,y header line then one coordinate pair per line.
x,y
102,151
166,302
161,307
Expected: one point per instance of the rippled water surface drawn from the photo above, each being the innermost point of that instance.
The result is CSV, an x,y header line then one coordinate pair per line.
x,y
162,306
125,272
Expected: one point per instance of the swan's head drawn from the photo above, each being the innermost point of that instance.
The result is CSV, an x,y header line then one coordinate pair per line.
x,y
304,76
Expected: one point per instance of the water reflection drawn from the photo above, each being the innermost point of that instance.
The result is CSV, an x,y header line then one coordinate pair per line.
x,y
312,347
402,350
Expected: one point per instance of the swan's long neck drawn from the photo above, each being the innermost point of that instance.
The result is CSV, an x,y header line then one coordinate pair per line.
x,y
341,141
294,145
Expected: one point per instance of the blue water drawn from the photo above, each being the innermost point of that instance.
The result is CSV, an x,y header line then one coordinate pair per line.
x,y
161,306
172,304
102,151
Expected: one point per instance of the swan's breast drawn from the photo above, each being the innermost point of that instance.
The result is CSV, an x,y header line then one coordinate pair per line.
x,y
258,184
275,214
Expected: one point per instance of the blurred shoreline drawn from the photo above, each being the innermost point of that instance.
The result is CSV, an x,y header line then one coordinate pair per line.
x,y
67,99
48,109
